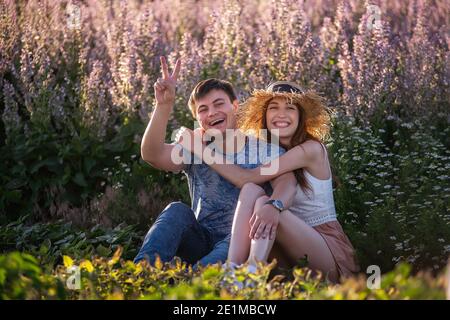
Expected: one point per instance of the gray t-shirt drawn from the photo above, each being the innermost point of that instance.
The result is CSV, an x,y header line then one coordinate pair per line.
x,y
214,198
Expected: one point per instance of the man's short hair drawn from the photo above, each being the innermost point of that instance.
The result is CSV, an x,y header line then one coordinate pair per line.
x,y
204,87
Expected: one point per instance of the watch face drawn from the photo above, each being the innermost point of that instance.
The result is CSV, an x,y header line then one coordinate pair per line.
x,y
278,204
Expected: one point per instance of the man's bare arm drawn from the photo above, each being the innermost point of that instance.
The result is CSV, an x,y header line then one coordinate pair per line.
x,y
154,150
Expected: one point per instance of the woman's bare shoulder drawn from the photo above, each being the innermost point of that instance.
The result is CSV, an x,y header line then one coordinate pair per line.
x,y
311,148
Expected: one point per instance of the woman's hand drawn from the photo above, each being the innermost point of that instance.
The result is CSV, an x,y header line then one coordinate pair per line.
x,y
264,222
165,86
188,138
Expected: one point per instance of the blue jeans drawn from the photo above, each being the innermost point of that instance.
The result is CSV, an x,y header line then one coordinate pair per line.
x,y
176,232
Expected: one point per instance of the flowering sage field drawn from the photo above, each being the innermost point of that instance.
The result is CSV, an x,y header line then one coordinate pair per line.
x,y
76,91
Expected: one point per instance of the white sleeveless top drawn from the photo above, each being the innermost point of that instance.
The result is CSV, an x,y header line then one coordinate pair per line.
x,y
317,205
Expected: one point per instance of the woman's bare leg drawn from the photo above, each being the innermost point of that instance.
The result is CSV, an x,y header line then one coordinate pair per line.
x,y
260,248
240,241
294,239
265,250
298,239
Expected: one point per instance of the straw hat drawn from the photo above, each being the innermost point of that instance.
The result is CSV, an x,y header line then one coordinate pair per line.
x,y
251,115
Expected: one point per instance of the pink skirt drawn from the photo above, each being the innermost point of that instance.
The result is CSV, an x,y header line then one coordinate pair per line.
x,y
340,247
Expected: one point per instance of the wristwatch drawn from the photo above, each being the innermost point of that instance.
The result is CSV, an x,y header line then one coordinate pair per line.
x,y
277,204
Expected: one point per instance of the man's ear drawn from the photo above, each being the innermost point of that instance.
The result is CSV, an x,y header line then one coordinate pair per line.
x,y
235,104
194,115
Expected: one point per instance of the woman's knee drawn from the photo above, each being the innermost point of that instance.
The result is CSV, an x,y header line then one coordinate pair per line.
x,y
251,189
261,201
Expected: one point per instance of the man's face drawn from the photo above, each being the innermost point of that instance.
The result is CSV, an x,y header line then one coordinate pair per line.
x,y
216,111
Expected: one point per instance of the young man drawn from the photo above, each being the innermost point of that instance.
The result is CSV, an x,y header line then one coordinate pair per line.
x,y
200,234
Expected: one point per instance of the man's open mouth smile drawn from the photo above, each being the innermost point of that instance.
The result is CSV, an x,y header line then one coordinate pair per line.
x,y
216,122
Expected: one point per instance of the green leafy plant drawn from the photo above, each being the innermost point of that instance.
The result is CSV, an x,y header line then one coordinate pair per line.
x,y
21,277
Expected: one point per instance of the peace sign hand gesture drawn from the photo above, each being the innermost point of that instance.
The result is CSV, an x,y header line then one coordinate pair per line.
x,y
165,86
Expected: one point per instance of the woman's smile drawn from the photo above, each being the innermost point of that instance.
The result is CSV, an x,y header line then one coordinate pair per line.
x,y
281,123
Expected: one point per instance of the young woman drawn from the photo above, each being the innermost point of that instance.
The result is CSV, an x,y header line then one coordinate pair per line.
x,y
263,228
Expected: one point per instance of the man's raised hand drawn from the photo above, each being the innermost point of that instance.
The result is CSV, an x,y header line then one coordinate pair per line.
x,y
165,86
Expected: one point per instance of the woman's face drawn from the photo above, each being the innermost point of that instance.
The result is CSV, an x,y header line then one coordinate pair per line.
x,y
282,116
